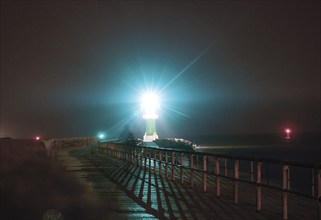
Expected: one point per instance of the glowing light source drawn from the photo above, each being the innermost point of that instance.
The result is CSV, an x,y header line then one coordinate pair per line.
x,y
150,102
288,132
37,138
101,136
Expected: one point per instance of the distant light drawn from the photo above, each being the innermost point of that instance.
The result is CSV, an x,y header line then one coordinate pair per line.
x,y
288,132
150,102
37,138
101,136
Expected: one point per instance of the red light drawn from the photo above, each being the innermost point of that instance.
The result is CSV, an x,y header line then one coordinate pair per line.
x,y
37,138
287,132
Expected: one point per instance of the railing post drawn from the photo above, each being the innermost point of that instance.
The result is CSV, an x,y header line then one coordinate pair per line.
x,y
217,173
318,180
117,152
312,182
236,182
130,154
267,173
134,156
123,153
160,162
173,166
191,168
288,178
225,166
258,186
285,193
155,161
140,157
182,167
145,161
196,161
150,159
166,164
252,171
126,153
204,173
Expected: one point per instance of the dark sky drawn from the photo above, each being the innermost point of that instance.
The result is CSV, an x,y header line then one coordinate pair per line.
x,y
76,68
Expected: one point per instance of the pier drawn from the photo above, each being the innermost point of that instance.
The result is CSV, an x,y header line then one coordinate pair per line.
x,y
133,182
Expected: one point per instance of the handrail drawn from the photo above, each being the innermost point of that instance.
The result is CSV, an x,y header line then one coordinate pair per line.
x,y
136,154
262,159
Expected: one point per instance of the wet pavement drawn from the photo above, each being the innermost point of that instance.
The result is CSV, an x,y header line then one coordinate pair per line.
x,y
112,200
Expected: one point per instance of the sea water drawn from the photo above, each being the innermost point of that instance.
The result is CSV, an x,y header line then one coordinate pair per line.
x,y
300,148
305,147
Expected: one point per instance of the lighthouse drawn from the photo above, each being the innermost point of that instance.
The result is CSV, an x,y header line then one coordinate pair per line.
x,y
150,103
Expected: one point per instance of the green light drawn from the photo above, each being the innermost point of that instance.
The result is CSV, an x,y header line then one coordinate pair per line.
x,y
101,136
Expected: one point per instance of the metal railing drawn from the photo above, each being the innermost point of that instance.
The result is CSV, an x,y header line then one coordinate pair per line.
x,y
259,172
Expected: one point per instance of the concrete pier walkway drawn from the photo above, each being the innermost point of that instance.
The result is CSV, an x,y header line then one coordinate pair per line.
x,y
125,191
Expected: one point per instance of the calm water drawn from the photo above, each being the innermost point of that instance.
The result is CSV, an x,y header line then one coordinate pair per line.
x,y
301,147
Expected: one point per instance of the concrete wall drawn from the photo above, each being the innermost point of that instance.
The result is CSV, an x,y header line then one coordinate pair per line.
x,y
58,143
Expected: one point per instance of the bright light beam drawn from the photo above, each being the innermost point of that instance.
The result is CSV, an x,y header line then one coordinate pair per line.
x,y
185,68
114,129
178,112
130,86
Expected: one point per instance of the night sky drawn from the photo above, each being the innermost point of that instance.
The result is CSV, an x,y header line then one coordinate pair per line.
x,y
76,68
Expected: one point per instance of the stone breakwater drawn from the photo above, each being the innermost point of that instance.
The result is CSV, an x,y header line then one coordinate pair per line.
x,y
54,144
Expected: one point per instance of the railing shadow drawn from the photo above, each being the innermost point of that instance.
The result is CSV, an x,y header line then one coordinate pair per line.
x,y
166,198
158,195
